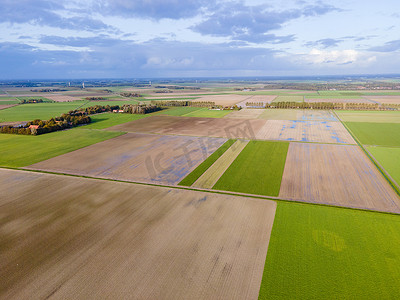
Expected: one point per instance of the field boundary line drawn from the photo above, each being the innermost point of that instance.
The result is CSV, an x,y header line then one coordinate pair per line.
x,y
381,169
210,177
221,192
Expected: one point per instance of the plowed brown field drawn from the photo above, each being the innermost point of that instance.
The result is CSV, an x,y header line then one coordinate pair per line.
x,y
136,157
62,98
337,175
64,237
246,113
306,131
385,99
227,128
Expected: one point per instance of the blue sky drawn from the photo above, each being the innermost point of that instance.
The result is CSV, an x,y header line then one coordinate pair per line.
x,y
197,38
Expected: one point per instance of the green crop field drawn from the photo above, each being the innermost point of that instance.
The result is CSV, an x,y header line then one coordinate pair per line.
x,y
196,173
380,134
334,96
111,103
389,158
34,97
179,111
105,120
292,98
369,116
44,111
9,101
319,252
207,113
258,169
24,150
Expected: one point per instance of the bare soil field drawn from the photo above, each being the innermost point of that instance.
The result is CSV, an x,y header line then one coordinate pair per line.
x,y
316,115
212,127
246,113
64,237
279,114
136,157
337,175
337,100
62,98
212,175
384,99
6,106
305,131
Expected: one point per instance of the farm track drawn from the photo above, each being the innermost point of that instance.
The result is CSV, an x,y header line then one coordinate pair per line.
x,y
211,176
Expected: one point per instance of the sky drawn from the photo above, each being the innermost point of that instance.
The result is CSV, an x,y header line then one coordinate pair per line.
x,y
47,39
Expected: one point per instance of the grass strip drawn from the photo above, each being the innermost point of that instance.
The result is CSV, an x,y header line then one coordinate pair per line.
x,y
258,169
196,173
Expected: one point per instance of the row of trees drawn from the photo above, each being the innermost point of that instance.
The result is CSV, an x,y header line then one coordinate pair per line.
x,y
172,103
139,109
330,105
255,104
95,98
25,101
131,95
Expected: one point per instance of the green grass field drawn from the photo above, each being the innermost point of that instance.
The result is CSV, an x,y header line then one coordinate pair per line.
x,y
9,101
206,113
111,103
24,150
105,120
258,169
339,96
389,158
319,252
380,134
196,173
34,97
369,116
179,111
44,111
292,98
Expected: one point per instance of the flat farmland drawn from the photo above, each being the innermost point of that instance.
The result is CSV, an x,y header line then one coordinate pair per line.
x,y
279,114
384,99
319,252
257,98
380,134
338,100
225,100
89,238
61,98
44,111
389,158
316,115
105,120
305,131
336,175
369,116
179,111
256,170
210,177
291,98
23,150
213,127
136,157
208,113
246,113
6,106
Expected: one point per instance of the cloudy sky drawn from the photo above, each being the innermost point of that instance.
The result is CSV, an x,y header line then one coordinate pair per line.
x,y
197,38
